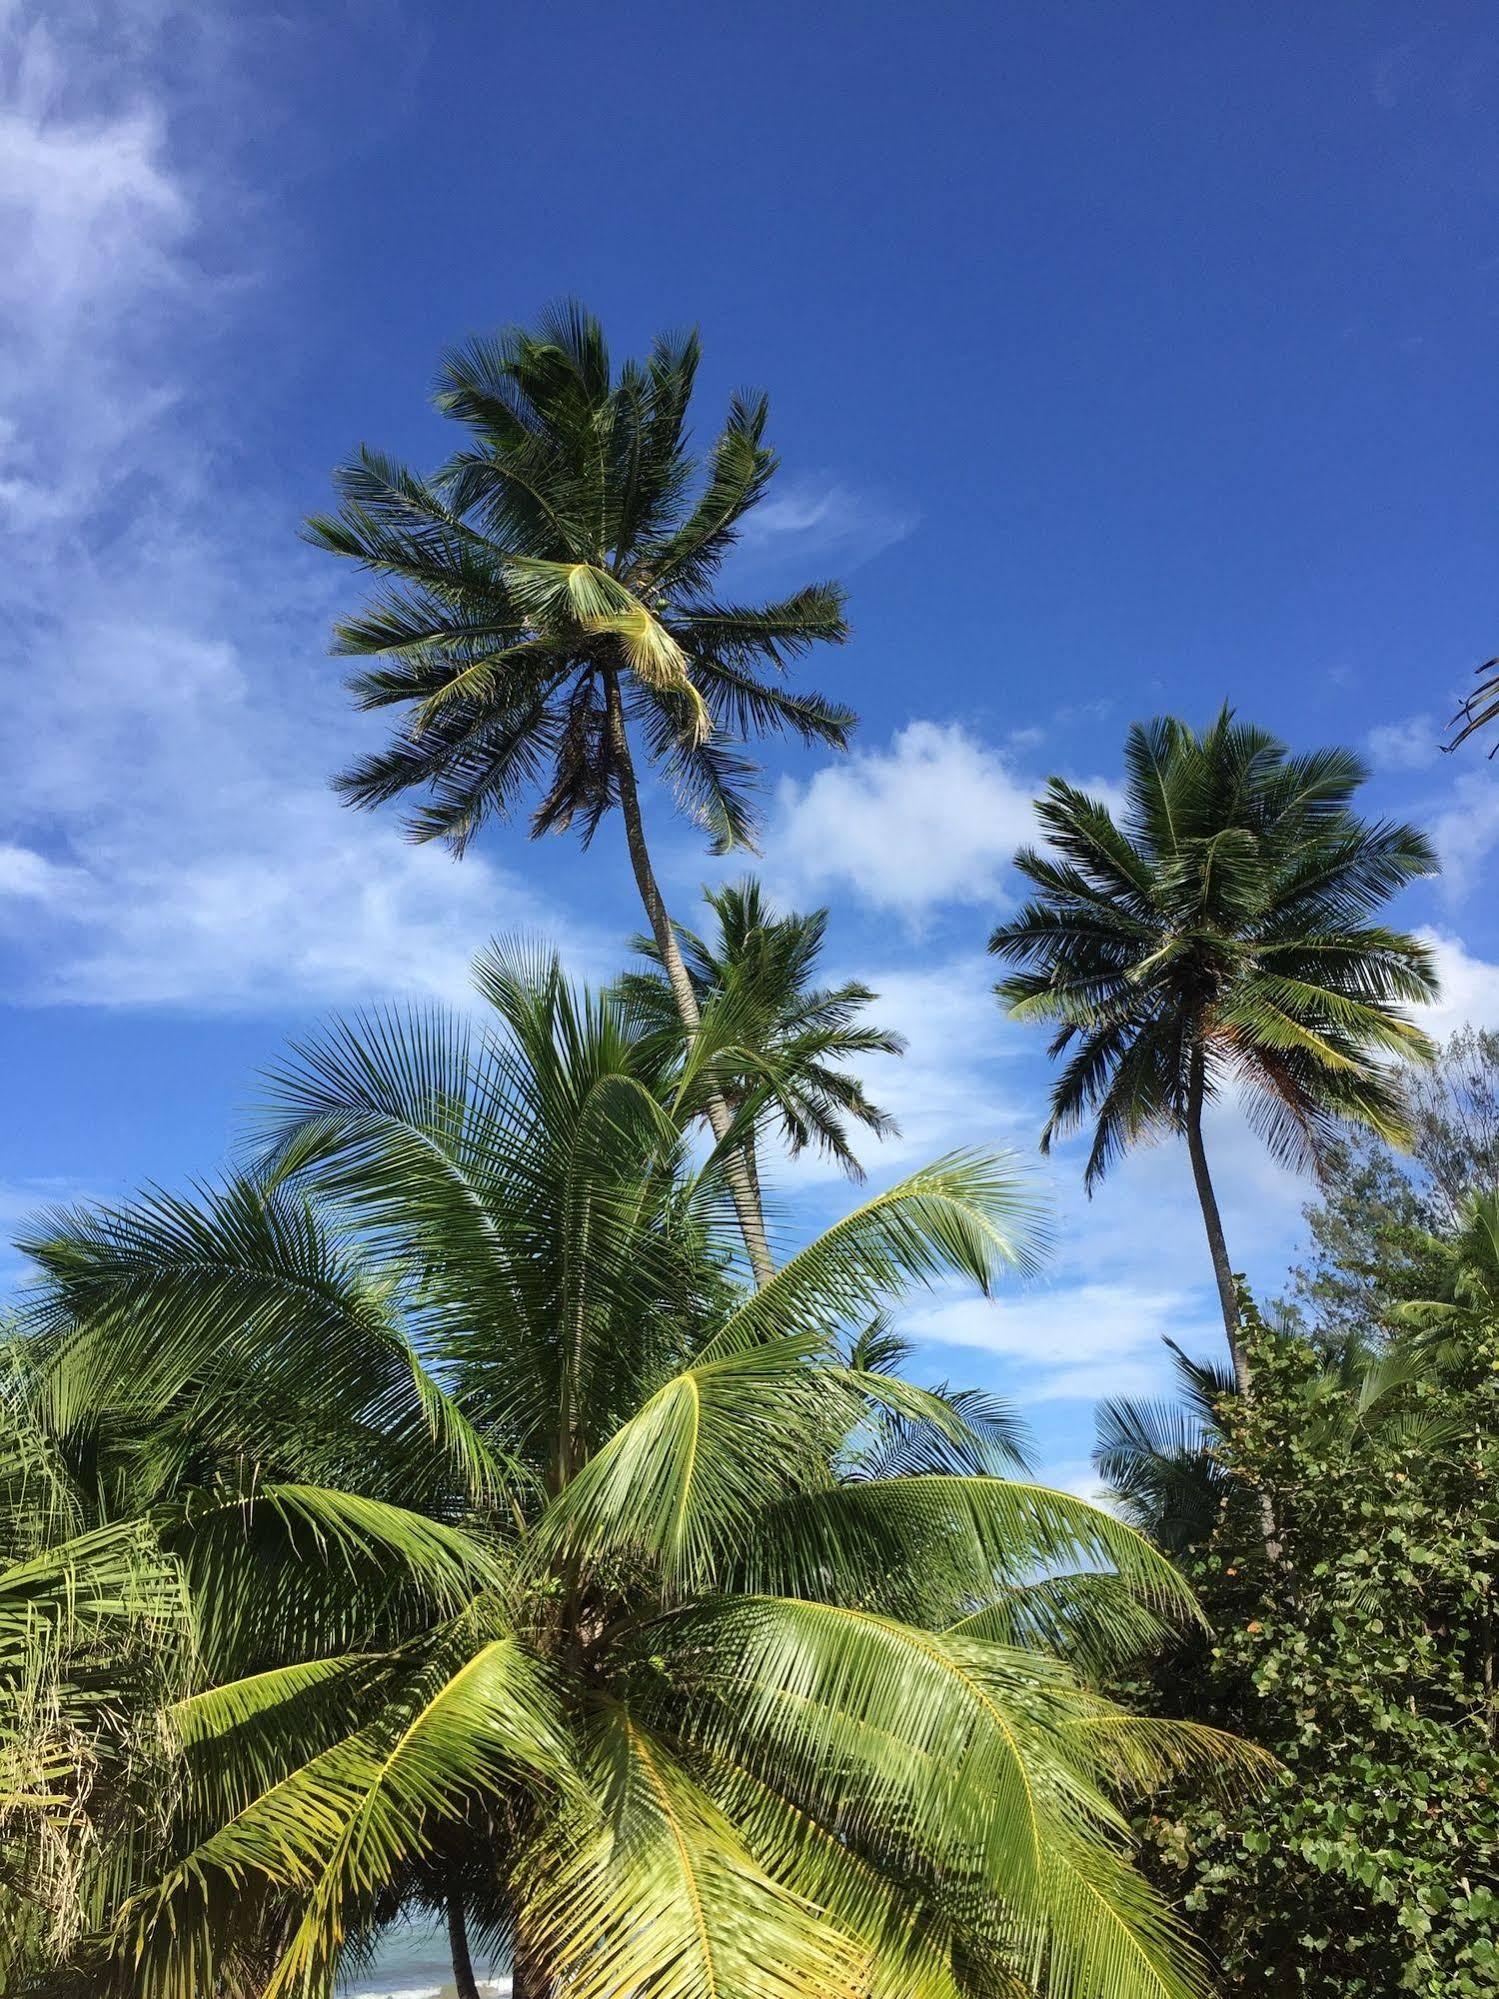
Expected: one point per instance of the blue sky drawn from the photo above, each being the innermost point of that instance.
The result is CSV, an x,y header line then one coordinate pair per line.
x,y
1122,359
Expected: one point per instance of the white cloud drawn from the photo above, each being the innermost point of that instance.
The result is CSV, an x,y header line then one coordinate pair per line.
x,y
1414,744
1074,1475
1466,832
934,819
166,831
956,1084
1076,1341
1470,987
96,225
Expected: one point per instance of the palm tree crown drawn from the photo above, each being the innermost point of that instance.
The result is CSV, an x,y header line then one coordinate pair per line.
x,y
1218,936
794,1036
656,1626
550,580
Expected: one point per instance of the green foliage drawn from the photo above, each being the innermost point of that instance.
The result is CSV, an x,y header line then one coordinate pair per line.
x,y
790,1038
94,1636
1372,1223
541,1568
564,550
1364,1659
1220,926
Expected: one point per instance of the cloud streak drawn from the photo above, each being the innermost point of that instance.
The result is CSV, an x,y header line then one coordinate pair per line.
x,y
815,519
167,836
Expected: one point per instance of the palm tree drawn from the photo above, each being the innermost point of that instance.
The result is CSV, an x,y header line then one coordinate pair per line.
x,y
794,1036
93,1631
1454,1324
601,1631
1217,937
1161,1459
546,615
1158,1457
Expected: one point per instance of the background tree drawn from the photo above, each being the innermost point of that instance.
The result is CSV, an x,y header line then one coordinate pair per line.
x,y
603,1628
1217,938
796,1037
1378,1210
546,615
1364,1660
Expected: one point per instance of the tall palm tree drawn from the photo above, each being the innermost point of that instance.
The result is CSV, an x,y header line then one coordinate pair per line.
x,y
794,1036
1217,937
546,616
602,1632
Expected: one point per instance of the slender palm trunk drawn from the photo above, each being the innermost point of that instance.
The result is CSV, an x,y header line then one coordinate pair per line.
x,y
525,1981
1228,1296
463,1965
741,1184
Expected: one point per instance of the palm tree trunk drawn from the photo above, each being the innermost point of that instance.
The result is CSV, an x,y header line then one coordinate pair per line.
x,y
741,1185
525,1980
1228,1296
463,1965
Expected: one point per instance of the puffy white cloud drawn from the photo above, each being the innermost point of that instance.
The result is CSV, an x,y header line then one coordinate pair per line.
x,y
934,819
1466,832
1470,987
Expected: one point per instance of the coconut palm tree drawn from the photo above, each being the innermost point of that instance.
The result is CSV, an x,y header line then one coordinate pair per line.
x,y
795,1036
543,1572
93,1633
1217,937
1157,1456
545,617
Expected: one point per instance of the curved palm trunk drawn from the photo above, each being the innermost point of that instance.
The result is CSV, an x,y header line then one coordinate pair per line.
x,y
1228,1296
464,1981
741,1183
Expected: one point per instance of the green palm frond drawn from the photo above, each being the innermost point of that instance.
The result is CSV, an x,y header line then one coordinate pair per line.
x,y
536,1568
570,538
969,1215
655,1891
787,1041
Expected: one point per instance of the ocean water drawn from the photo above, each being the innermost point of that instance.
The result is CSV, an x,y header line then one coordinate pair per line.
x,y
414,1964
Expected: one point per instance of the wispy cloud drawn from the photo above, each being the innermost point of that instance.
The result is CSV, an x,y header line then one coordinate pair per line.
x,y
166,831
817,519
1075,1341
1414,744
